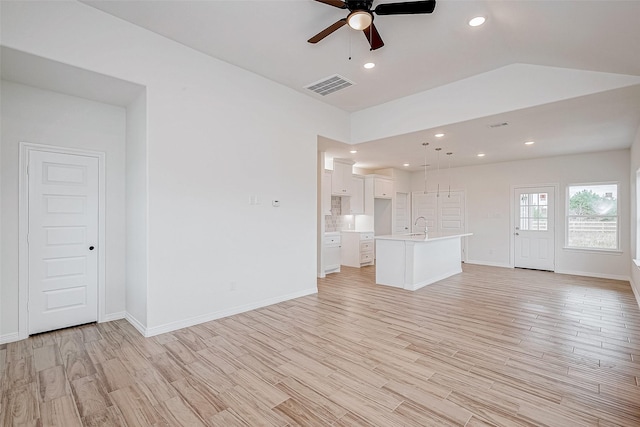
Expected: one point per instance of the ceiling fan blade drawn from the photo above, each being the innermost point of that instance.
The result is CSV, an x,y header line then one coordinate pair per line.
x,y
405,8
335,3
330,29
373,36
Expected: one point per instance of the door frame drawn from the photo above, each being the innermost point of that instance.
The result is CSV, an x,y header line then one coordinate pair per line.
x,y
23,227
512,224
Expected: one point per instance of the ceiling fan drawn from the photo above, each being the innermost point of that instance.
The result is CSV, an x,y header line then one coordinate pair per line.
x,y
361,16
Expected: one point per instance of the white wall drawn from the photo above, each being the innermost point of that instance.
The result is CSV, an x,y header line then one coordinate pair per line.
x,y
137,212
488,205
45,117
216,135
635,214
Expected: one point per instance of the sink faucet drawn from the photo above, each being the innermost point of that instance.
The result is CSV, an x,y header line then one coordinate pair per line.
x,y
425,223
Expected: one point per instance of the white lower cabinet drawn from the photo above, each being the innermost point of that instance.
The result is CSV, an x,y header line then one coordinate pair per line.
x,y
331,252
357,248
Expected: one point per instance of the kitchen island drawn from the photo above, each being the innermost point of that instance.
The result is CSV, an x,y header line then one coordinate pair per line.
x,y
411,261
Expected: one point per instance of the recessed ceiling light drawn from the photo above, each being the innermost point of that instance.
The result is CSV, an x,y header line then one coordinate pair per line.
x,y
529,143
369,65
353,151
439,135
406,165
481,154
477,21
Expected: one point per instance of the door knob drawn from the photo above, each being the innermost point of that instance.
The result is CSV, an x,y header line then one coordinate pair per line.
x,y
90,248
516,234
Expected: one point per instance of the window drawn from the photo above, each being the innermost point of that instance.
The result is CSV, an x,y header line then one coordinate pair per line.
x,y
534,215
592,216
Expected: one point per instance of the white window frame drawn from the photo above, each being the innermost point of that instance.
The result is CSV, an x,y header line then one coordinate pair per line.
x,y
567,216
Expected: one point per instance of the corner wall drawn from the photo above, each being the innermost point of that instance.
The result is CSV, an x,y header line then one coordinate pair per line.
x,y
635,215
137,213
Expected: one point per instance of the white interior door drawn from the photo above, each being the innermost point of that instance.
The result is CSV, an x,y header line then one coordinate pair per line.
x,y
62,240
403,219
451,216
451,212
425,205
534,234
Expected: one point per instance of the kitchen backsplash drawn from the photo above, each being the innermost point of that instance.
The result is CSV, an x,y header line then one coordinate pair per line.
x,y
334,221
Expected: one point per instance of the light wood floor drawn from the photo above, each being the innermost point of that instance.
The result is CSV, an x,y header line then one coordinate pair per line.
x,y
490,346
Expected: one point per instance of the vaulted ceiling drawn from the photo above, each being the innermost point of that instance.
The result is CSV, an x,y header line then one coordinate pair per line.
x,y
423,52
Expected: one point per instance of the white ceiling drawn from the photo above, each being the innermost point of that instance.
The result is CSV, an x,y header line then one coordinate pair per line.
x,y
421,52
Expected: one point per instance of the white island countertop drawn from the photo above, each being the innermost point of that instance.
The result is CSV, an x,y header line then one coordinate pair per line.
x,y
421,237
411,261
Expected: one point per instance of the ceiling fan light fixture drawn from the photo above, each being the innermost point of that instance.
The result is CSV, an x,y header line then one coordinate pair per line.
x,y
359,19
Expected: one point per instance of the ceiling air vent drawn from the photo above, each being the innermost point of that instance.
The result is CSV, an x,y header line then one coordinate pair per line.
x,y
498,125
329,85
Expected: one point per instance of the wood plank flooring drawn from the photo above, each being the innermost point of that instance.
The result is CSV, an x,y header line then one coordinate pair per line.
x,y
490,346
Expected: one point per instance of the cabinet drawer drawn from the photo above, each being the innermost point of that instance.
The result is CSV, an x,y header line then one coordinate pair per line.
x,y
332,241
366,236
366,257
366,246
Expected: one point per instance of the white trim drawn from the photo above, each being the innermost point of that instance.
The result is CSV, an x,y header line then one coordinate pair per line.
x,y
488,264
7,338
23,228
110,317
136,324
593,250
430,281
185,323
596,275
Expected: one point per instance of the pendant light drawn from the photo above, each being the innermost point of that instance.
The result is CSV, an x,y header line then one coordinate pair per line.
x,y
425,145
438,168
449,172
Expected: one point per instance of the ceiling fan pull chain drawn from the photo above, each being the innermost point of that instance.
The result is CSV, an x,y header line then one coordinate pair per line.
x,y
350,45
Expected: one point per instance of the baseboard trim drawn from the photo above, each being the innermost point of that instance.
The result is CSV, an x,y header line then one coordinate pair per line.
x,y
114,316
488,264
7,338
169,327
136,324
433,280
596,275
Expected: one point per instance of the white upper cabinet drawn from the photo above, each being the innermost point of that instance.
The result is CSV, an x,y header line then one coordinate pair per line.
x,y
354,205
383,188
341,178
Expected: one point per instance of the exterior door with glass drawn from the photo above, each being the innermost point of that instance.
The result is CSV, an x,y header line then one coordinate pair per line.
x,y
534,228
